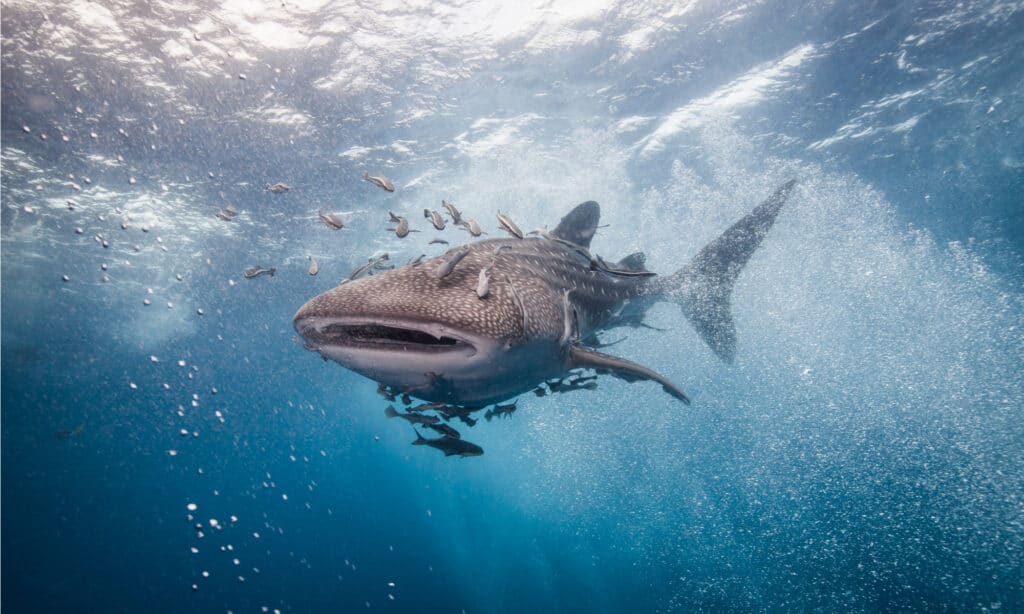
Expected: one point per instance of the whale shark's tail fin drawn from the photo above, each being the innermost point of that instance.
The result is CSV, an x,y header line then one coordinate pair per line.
x,y
704,286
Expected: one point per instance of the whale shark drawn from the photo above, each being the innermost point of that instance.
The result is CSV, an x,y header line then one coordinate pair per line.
x,y
425,329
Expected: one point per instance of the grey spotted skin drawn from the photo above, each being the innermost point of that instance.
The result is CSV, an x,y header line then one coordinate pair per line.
x,y
432,336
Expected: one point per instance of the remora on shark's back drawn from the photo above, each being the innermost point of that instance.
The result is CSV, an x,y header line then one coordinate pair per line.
x,y
432,336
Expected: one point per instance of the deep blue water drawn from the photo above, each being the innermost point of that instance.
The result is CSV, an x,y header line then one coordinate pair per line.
x,y
864,453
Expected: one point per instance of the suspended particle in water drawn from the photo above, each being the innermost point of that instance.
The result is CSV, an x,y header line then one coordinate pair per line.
x,y
103,267
181,363
153,359
105,279
194,550
146,302
28,209
206,574
167,386
199,311
234,518
255,535
42,136
183,432
65,138
191,507
65,278
133,385
179,277
195,587
172,453
170,305
79,230
26,129
93,135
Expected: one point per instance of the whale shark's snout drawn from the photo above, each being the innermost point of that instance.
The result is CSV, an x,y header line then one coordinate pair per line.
x,y
395,340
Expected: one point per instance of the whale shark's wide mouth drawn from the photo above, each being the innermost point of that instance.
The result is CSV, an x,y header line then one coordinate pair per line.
x,y
398,336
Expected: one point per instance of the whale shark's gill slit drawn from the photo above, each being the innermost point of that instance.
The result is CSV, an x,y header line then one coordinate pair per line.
x,y
384,335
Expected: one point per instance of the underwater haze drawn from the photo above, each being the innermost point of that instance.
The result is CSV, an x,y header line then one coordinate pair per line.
x,y
167,445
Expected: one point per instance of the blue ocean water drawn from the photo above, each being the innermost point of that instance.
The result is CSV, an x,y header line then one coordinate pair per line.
x,y
864,452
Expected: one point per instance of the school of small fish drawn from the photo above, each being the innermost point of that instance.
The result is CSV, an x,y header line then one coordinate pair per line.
x,y
432,416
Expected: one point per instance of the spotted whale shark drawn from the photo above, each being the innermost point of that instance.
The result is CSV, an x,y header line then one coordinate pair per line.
x,y
427,328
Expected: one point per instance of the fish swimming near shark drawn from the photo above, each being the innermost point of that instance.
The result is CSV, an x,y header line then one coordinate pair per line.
x,y
451,446
431,336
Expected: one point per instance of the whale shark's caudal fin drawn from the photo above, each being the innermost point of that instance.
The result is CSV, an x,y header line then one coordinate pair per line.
x,y
704,286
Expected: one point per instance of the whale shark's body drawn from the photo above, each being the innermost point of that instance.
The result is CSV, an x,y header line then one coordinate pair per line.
x,y
424,328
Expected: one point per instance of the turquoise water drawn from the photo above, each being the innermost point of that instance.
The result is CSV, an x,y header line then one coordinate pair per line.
x,y
863,453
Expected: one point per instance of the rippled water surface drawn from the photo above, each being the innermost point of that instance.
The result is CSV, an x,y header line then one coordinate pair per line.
x,y
167,445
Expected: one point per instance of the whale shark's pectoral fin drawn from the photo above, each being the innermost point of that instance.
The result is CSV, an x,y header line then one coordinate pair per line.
x,y
623,369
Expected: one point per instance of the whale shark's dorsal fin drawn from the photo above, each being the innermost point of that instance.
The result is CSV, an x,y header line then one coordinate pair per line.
x,y
580,224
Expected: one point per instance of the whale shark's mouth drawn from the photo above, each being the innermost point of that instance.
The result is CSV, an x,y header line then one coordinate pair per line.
x,y
408,337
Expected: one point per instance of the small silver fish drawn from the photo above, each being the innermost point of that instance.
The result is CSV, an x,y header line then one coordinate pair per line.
x,y
451,446
452,211
227,213
500,411
483,286
277,188
472,227
370,264
256,271
402,227
380,181
449,261
435,218
314,266
330,220
438,240
391,412
417,260
510,226
444,429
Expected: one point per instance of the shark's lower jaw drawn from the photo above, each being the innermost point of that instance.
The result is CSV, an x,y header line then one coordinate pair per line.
x,y
429,360
384,336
